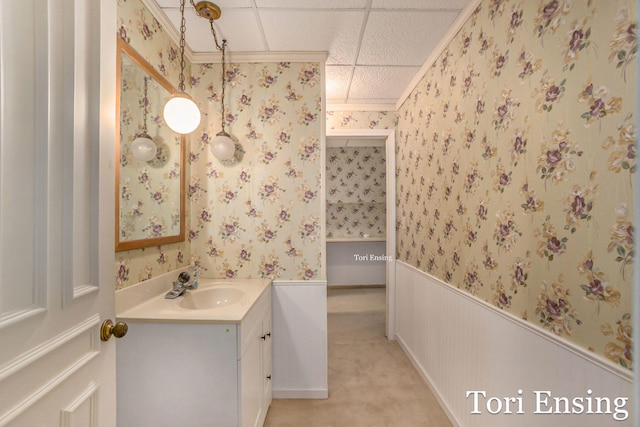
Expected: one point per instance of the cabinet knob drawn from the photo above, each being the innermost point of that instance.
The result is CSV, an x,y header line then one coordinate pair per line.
x,y
268,377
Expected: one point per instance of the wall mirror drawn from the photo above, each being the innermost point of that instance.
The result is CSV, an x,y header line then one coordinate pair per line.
x,y
150,158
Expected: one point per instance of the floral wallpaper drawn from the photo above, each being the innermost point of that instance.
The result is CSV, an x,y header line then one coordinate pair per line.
x,y
356,192
515,167
360,119
141,30
260,214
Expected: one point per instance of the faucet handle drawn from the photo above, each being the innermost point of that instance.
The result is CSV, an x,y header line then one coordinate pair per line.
x,y
184,277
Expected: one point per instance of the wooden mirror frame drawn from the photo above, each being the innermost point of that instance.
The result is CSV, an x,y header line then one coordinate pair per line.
x,y
125,49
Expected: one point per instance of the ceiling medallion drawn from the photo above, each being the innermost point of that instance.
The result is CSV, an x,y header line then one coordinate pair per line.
x,y
208,10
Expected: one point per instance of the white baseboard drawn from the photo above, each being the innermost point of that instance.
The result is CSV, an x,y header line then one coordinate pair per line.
x,y
427,379
322,393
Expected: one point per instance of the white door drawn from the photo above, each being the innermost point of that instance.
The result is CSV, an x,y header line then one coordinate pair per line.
x,y
57,115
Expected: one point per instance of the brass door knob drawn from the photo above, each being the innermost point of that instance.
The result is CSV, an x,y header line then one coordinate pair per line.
x,y
108,328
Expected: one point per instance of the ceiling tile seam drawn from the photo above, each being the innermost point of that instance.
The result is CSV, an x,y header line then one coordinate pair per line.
x,y
347,90
363,28
256,14
365,20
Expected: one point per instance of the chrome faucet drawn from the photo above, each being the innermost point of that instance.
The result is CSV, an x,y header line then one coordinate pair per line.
x,y
181,285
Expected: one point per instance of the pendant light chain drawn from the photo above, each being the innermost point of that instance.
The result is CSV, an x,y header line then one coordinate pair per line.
x,y
221,48
183,29
181,113
146,104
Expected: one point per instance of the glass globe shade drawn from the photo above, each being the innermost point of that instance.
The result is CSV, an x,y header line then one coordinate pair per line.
x,y
223,146
143,148
181,114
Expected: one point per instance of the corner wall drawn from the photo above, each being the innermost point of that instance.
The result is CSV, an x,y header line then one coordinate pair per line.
x,y
515,193
515,167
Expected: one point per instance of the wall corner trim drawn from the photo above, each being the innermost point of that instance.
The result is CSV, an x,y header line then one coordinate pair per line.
x,y
461,19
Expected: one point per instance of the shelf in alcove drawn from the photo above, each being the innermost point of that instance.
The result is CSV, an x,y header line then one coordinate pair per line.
x,y
355,239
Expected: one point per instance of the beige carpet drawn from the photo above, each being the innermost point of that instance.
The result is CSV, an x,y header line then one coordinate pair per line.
x,y
371,380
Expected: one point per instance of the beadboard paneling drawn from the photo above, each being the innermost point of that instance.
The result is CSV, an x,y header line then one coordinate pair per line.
x,y
300,363
460,344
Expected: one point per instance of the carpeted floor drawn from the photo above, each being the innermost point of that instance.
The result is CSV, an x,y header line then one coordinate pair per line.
x,y
371,381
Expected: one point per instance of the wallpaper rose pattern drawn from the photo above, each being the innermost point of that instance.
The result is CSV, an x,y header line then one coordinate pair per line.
x,y
258,216
142,31
515,167
356,192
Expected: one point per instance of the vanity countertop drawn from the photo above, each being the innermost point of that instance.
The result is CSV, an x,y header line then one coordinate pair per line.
x,y
158,309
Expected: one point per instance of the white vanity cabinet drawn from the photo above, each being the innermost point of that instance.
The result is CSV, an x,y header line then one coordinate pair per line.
x,y
197,374
254,368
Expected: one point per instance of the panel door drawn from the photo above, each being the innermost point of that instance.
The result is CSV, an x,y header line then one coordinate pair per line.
x,y
57,115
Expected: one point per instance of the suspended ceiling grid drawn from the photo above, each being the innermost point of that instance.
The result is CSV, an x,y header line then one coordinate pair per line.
x,y
375,47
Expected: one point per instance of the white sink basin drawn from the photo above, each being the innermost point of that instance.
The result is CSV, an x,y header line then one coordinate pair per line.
x,y
207,299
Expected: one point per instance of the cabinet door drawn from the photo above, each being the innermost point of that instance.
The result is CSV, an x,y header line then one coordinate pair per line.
x,y
251,381
267,361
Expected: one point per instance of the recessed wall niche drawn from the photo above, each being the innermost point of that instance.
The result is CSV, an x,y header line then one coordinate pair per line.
x,y
356,212
356,190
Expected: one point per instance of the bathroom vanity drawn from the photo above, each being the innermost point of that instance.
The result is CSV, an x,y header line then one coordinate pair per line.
x,y
202,359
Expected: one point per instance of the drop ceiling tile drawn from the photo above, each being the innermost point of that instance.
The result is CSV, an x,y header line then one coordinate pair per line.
x,y
238,26
333,32
337,82
381,83
418,4
402,38
313,4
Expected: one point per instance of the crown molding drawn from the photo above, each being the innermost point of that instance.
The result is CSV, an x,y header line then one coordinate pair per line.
x,y
461,19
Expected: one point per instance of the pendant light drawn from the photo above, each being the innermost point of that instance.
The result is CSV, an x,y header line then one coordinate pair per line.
x,y
181,114
143,148
222,146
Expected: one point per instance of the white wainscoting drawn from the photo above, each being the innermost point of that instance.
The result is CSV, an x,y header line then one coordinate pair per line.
x,y
459,343
300,364
356,263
